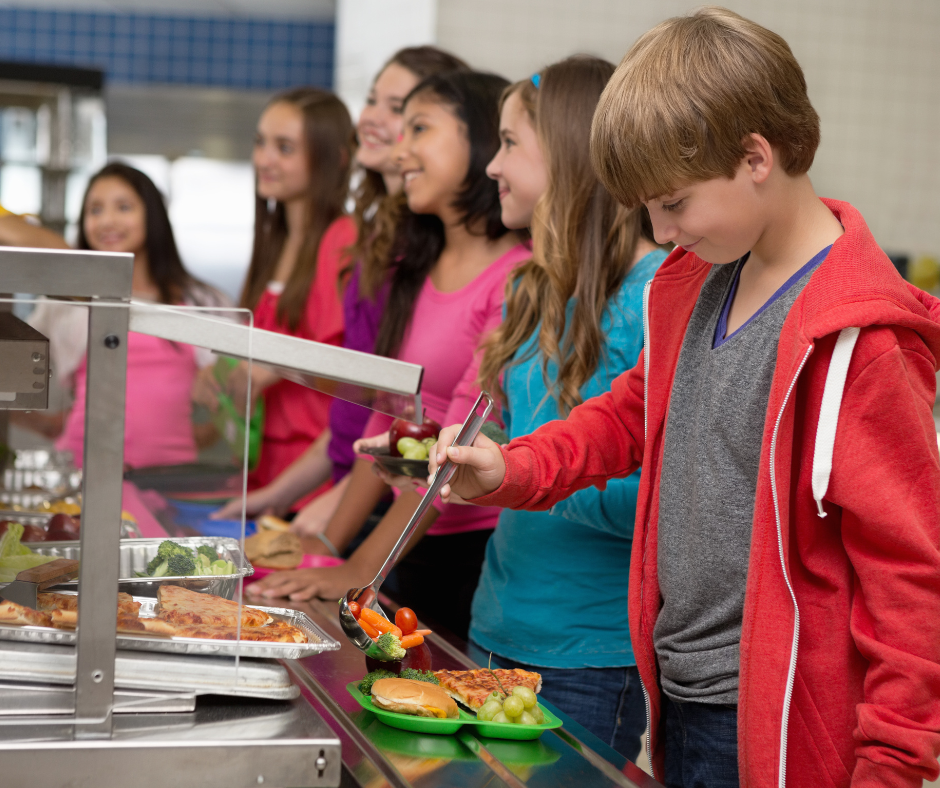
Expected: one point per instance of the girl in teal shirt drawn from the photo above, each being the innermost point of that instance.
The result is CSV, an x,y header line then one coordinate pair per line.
x,y
553,594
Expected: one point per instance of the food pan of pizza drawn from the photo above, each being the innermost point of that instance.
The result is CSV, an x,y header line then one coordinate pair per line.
x,y
177,621
208,564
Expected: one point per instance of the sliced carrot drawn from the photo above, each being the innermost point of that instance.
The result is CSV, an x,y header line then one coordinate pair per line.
x,y
378,622
421,632
370,630
412,640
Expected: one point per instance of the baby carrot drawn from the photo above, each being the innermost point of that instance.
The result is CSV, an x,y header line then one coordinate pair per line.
x,y
421,632
380,623
412,640
370,630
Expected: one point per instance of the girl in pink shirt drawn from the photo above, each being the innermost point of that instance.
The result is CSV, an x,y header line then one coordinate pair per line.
x,y
123,211
453,254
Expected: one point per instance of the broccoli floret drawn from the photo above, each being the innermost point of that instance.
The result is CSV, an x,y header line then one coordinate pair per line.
x,y
153,565
181,565
168,548
365,686
208,552
391,645
159,570
419,675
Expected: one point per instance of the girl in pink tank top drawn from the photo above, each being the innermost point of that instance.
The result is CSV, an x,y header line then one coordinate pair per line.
x,y
452,256
123,211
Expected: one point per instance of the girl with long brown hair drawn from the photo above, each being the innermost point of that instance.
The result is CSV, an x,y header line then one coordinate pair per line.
x,y
378,202
302,156
573,322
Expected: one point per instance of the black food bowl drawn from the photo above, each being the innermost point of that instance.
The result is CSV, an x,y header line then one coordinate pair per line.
x,y
398,466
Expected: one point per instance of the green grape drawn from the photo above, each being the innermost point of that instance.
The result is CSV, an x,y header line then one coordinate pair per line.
x,y
513,706
528,696
537,714
405,444
501,717
494,695
489,710
429,442
527,719
418,452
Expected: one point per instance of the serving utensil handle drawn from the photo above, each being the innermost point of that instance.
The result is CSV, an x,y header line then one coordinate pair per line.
x,y
468,432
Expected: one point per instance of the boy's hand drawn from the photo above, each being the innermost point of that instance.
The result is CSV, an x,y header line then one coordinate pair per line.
x,y
480,468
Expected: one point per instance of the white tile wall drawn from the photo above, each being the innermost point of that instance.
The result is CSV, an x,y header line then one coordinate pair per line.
x,y
872,66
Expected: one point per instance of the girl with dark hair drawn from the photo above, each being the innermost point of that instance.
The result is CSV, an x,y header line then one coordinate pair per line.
x,y
452,256
378,202
302,156
123,211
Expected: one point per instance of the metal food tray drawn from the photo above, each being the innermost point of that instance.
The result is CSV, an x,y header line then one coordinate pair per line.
x,y
135,554
318,640
55,665
129,529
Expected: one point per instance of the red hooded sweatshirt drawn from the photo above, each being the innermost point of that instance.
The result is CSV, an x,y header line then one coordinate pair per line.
x,y
840,643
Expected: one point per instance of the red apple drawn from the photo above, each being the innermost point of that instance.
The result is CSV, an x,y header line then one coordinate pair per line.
x,y
417,658
62,528
4,524
33,533
408,429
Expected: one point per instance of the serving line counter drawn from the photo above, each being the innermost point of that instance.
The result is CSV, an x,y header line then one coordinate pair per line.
x,y
376,755
92,708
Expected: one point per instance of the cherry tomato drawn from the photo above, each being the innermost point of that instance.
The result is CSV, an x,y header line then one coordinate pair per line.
x,y
406,620
355,609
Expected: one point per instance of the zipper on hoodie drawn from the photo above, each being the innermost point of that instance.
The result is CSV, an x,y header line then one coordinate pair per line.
x,y
646,375
791,673
646,350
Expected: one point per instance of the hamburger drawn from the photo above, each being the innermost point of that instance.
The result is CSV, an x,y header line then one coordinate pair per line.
x,y
418,698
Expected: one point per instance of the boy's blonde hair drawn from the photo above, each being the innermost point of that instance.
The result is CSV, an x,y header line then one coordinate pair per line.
x,y
681,104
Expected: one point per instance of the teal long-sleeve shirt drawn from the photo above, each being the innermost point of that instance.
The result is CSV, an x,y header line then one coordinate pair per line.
x,y
553,590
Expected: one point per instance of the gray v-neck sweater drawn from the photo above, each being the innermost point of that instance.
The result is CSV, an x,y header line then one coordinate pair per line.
x,y
709,480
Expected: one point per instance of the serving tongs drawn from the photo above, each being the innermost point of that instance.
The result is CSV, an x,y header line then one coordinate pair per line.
x,y
25,589
368,596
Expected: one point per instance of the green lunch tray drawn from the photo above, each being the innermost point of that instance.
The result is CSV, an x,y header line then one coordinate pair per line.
x,y
492,730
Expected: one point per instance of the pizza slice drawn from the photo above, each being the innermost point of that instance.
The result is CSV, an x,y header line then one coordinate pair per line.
x,y
275,633
12,613
146,626
473,687
181,607
69,602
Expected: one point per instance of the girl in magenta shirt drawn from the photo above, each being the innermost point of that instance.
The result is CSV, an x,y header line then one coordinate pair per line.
x,y
453,254
303,151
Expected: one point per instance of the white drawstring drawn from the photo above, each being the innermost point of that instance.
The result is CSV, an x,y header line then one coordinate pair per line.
x,y
829,413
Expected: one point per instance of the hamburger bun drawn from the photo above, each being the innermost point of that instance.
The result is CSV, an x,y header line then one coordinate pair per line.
x,y
418,698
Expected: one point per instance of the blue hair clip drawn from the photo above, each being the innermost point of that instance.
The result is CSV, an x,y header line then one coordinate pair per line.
x,y
536,78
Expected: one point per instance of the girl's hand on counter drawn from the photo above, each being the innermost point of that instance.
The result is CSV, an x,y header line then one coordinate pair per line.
x,y
480,467
331,583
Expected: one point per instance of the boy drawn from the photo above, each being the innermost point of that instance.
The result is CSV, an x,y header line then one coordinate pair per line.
x,y
785,576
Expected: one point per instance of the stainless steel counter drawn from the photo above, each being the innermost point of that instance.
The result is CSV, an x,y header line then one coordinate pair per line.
x,y
376,755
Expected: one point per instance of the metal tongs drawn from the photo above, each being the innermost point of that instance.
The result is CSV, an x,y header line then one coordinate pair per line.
x,y
368,596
